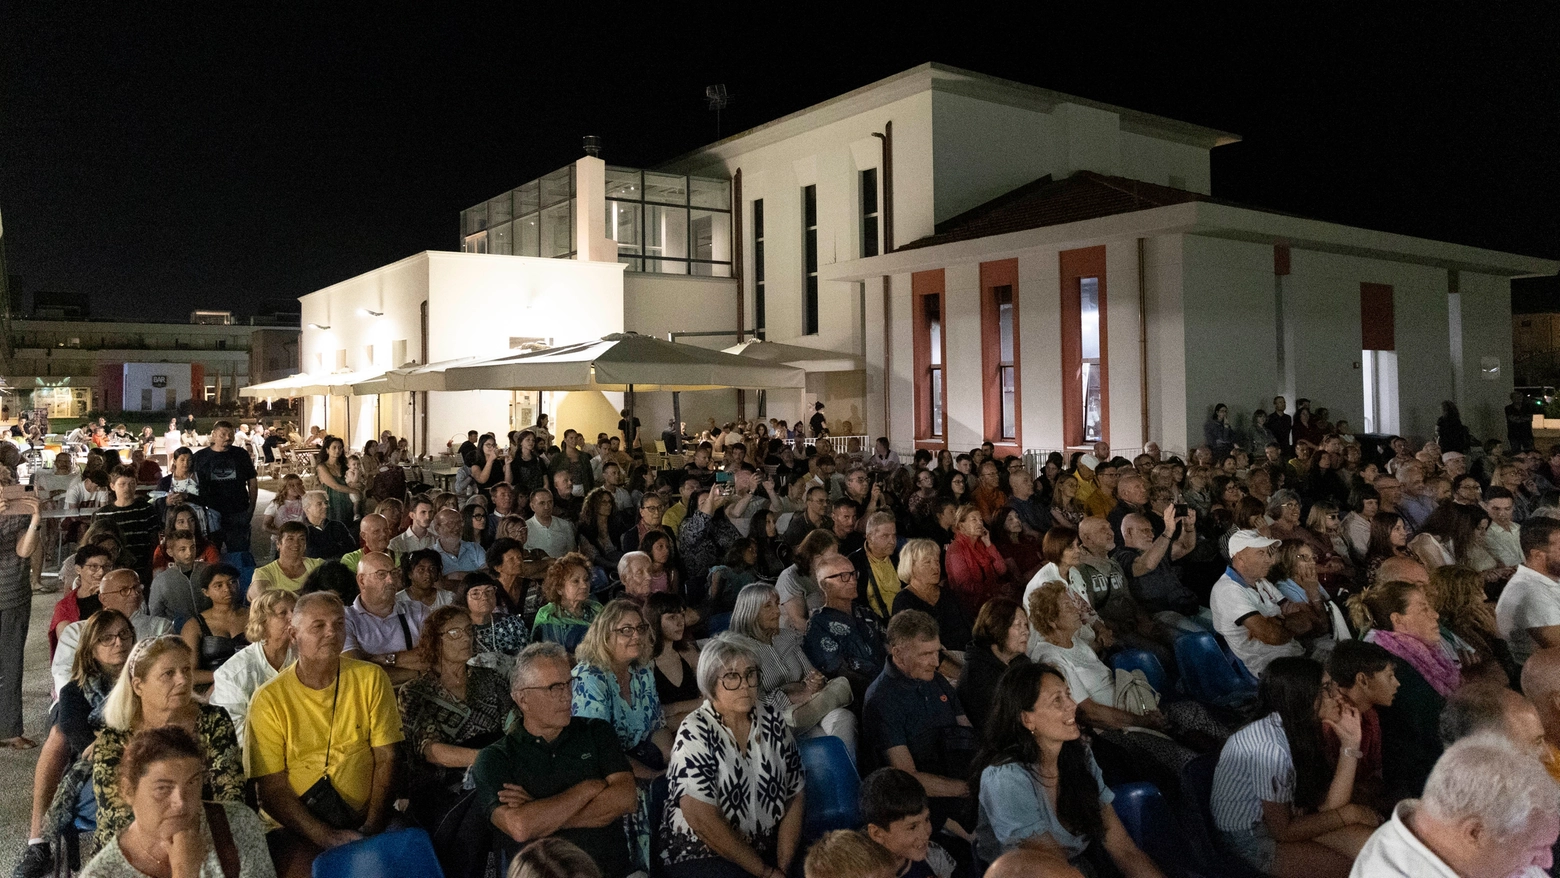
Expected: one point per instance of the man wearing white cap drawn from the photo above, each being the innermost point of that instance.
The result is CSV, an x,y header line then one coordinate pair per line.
x,y
1256,619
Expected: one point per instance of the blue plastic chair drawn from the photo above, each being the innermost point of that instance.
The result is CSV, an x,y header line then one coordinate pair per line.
x,y
407,853
1148,663
833,787
1197,783
245,562
1147,818
1240,666
1207,673
719,623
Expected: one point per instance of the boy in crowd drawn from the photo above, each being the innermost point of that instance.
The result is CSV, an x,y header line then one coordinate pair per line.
x,y
894,805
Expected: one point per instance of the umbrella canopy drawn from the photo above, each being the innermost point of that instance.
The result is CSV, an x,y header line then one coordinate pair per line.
x,y
303,384
623,361
805,358
430,376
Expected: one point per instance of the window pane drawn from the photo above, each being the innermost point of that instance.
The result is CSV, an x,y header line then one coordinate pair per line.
x,y
526,199
528,236
498,210
869,195
758,262
705,192
758,219
869,236
623,183
666,266
666,188
633,262
623,225
1089,316
936,400
711,269
666,231
1009,404
1091,402
474,219
934,330
711,235
809,206
556,230
1004,296
557,186
501,240
810,316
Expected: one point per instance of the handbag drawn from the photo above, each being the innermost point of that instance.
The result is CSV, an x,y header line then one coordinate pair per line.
x,y
322,800
1134,694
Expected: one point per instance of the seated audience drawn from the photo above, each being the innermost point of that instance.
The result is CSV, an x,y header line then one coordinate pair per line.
x,y
1490,708
555,775
1367,679
1038,780
270,636
920,569
1487,809
1528,612
800,594
327,536
676,655
1467,620
552,857
81,600
456,553
322,742
171,831
847,853
374,534
843,638
877,565
448,714
894,806
1541,685
1000,640
734,806
1278,803
216,633
292,564
496,637
173,594
381,629
1250,612
121,591
569,611
977,572
422,571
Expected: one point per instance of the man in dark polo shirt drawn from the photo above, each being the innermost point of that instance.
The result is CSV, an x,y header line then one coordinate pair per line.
x,y
912,720
556,774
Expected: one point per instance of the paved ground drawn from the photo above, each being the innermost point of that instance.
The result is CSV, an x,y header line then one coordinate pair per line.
x,y
16,766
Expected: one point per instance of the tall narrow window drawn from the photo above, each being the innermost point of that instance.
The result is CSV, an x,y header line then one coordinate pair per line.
x,y
758,267
932,310
810,266
869,212
1006,379
1085,347
1089,336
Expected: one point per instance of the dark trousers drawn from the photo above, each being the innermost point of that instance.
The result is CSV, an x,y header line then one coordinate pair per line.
x,y
710,868
13,637
235,532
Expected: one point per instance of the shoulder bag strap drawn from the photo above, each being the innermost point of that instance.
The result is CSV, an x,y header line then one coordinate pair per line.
x,y
222,839
406,630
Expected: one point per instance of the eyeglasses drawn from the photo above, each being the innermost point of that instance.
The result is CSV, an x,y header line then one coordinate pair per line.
x,y
127,636
98,567
104,592
481,591
380,574
731,681
847,575
459,633
628,631
554,691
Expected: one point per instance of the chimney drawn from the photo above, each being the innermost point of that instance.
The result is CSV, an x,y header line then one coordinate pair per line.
x,y
592,145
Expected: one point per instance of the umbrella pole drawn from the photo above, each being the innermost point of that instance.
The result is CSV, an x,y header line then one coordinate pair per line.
x,y
628,422
677,417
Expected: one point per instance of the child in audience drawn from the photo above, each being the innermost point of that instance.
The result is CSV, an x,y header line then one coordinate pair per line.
x,y
894,805
846,853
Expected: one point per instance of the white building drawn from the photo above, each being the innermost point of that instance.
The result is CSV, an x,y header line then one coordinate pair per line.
x,y
1010,263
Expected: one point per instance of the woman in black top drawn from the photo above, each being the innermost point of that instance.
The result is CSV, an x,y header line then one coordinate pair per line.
x,y
489,468
527,471
676,656
1001,640
215,634
920,569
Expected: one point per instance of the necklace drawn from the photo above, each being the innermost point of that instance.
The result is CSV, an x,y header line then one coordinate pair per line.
x,y
144,853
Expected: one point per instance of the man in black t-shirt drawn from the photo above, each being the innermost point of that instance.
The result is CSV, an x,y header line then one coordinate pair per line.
x,y
228,486
468,450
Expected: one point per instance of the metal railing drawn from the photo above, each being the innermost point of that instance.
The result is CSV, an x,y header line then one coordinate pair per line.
x,y
858,444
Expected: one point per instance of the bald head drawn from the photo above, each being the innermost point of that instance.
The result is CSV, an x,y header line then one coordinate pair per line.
x,y
1032,861
1541,683
1403,570
375,531
447,524
1096,535
1137,532
121,590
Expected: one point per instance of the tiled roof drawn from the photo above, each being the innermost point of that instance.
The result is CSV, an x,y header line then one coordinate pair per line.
x,y
1083,196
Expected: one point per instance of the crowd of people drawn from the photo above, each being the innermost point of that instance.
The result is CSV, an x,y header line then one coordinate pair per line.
x,y
574,659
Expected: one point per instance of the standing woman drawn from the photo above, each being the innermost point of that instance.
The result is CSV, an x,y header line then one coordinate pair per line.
x,y
448,714
676,655
1279,804
1038,782
1218,435
92,675
216,634
270,649
330,476
527,470
156,689
18,540
613,682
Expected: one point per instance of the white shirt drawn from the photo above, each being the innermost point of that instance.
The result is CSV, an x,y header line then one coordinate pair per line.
x,y
1087,676
1232,603
238,678
406,541
70,638
1505,546
1393,851
1529,600
555,540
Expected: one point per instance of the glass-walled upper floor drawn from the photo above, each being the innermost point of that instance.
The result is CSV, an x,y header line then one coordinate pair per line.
x,y
662,223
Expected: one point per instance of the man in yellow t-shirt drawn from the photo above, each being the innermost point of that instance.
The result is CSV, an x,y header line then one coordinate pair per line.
x,y
325,716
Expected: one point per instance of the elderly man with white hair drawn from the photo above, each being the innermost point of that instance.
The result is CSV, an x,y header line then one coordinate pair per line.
x,y
1489,810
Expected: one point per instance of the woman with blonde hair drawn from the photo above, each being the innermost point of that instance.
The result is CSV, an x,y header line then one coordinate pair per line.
x,y
920,569
613,681
270,635
156,688
1457,594
553,857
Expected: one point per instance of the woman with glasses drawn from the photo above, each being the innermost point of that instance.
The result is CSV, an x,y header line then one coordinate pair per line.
x,y
109,638
1279,803
1283,507
614,681
270,635
448,714
733,807
496,637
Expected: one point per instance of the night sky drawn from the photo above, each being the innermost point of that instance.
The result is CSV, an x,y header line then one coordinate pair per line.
x,y
162,162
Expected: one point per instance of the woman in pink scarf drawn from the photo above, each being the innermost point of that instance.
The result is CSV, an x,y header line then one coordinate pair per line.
x,y
1401,620
977,572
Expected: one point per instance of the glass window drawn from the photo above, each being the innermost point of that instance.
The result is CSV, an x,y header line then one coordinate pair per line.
x,y
711,235
810,260
474,219
666,266
500,239
666,232
1089,320
557,186
758,267
707,192
499,210
666,188
711,269
869,212
528,236
623,225
526,199
932,310
623,183
1007,379
556,231
634,263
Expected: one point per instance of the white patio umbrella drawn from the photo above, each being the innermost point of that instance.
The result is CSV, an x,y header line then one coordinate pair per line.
x,y
805,358
621,362
301,384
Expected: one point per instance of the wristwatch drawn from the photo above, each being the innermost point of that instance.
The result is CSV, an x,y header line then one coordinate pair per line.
x,y
1354,752
389,659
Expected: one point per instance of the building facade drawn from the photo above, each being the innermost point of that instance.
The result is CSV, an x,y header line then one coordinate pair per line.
x,y
1009,263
